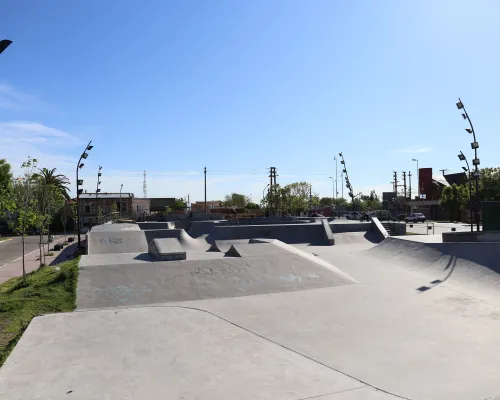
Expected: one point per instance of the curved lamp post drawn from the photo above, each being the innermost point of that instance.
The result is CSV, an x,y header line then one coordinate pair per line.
x,y
462,157
475,162
79,182
4,44
347,182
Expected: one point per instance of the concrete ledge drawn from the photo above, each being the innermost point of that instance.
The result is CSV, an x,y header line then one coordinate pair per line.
x,y
492,236
167,249
379,228
328,232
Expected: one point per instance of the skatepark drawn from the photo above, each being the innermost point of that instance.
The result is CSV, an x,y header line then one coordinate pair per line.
x,y
304,309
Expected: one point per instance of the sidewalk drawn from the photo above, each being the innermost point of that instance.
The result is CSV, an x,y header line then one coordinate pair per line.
x,y
15,268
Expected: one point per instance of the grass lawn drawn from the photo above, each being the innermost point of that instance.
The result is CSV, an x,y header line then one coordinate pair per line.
x,y
47,290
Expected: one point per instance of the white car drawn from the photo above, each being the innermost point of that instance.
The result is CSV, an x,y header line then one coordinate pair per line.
x,y
415,217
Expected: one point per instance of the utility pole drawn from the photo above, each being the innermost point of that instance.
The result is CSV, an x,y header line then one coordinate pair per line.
x,y
205,173
409,185
272,188
443,171
395,175
310,200
404,188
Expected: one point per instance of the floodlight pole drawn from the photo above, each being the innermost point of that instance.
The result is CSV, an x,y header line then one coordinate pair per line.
x,y
475,146
78,166
462,157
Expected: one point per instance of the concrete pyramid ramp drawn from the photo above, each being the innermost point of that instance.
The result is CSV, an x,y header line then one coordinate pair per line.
x,y
167,249
224,245
185,240
256,250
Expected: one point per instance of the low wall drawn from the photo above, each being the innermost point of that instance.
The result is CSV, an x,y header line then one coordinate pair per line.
x,y
492,236
352,227
398,228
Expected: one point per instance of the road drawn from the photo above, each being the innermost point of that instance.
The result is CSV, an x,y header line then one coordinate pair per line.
x,y
11,249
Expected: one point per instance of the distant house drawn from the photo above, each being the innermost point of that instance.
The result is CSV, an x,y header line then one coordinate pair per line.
x,y
199,206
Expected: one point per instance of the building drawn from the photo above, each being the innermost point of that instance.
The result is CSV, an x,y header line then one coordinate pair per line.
x,y
212,206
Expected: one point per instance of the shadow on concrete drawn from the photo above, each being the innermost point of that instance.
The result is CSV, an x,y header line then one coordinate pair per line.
x,y
67,253
452,262
145,257
372,237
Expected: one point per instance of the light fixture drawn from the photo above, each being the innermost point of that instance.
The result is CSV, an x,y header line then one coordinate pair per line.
x,y
81,165
460,105
80,182
90,147
98,190
476,175
100,167
99,174
475,161
465,169
469,130
342,162
461,157
474,145
85,155
80,191
465,116
99,182
344,171
4,44
340,154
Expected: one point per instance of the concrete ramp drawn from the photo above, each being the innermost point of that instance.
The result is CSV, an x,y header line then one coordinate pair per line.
x,y
185,240
289,233
476,266
156,225
115,227
172,281
367,239
116,241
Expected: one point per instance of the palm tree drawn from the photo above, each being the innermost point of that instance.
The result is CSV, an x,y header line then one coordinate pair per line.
x,y
49,177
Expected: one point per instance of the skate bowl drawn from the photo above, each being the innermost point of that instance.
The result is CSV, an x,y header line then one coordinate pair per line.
x,y
257,268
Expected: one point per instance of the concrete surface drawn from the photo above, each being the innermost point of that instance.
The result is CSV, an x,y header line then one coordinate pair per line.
x,y
403,319
161,353
116,241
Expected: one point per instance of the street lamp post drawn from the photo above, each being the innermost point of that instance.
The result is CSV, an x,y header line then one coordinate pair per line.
x,y
79,182
475,161
336,177
347,182
333,188
418,184
97,190
462,157
4,44
121,187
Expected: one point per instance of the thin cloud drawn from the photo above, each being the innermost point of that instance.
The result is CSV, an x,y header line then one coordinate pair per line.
x,y
413,149
14,100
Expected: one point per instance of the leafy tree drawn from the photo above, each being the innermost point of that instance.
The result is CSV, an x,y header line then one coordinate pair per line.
x,y
371,201
5,176
489,184
22,202
236,200
49,177
252,206
180,205
292,198
455,198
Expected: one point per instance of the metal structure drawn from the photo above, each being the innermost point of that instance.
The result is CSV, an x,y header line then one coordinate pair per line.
x,y
475,162
462,157
144,187
79,182
205,172
347,182
97,190
334,181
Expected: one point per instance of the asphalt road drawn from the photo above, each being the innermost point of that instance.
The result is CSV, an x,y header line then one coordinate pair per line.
x,y
11,249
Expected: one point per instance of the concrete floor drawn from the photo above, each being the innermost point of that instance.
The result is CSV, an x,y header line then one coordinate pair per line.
x,y
380,338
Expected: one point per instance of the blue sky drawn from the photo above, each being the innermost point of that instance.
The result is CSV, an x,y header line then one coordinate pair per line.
x,y
170,87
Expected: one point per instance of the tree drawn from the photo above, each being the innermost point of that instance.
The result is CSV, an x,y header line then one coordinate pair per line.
x,y
236,200
180,205
49,177
252,206
22,202
5,176
67,211
371,201
292,198
489,184
454,198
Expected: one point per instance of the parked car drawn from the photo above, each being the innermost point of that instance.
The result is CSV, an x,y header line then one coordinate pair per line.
x,y
316,215
352,215
415,217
